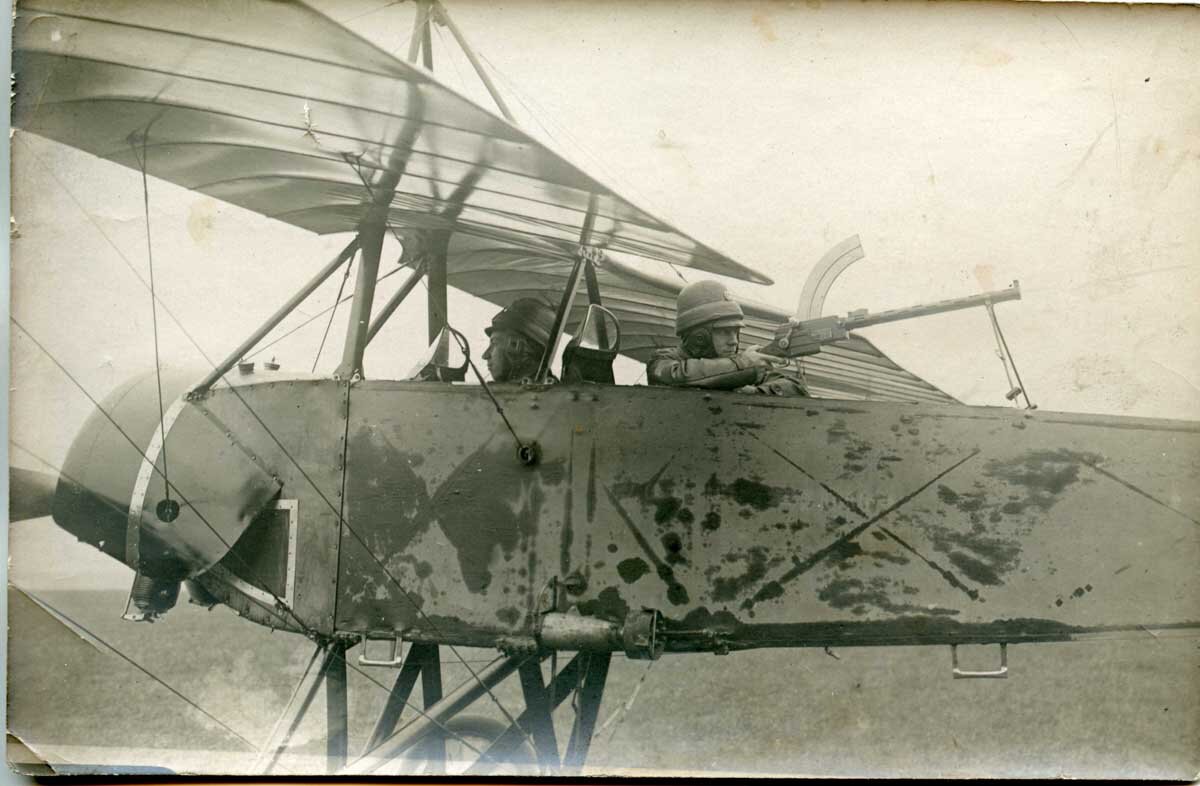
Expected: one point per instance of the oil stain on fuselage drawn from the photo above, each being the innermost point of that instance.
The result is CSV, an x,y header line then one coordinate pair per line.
x,y
479,519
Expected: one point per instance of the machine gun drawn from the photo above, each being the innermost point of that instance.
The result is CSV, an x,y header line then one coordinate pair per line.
x,y
797,338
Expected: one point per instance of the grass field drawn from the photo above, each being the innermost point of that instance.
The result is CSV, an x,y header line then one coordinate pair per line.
x,y
1128,707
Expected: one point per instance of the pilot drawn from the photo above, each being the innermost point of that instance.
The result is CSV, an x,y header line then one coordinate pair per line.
x,y
708,322
518,338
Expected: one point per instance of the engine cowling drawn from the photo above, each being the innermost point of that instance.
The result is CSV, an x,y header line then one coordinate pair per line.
x,y
116,496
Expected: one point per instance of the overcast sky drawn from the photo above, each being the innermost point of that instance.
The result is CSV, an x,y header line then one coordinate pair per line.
x,y
967,145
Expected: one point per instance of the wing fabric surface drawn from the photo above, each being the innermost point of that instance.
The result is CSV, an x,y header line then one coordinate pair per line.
x,y
275,108
645,306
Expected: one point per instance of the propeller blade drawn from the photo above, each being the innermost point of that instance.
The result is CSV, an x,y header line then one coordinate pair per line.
x,y
30,493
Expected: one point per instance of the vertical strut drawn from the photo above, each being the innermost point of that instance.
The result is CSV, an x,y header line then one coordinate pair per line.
x,y
582,261
371,240
336,709
397,699
538,709
427,38
444,17
420,24
431,690
416,730
436,279
591,693
504,745
298,704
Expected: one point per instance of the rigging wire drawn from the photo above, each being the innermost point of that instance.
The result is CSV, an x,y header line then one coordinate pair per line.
x,y
120,254
370,553
379,563
153,312
333,312
318,315
286,453
387,573
348,20
309,479
251,574
448,49
1119,633
280,603
444,319
402,44
229,547
596,161
94,637
269,433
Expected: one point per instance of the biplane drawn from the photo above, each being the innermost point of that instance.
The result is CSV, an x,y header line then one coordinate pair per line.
x,y
413,518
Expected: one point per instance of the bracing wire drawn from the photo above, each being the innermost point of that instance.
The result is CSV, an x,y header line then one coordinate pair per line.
x,y
187,700
460,659
120,254
312,483
376,10
281,605
453,62
420,612
279,601
308,479
315,317
445,320
596,160
92,635
332,314
153,307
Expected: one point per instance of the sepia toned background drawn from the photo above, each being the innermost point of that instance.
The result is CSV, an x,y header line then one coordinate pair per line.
x,y
966,144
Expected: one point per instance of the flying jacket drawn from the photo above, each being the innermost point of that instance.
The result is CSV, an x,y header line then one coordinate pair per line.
x,y
673,367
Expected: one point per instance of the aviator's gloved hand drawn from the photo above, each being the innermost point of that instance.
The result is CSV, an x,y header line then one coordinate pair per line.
x,y
780,377
749,371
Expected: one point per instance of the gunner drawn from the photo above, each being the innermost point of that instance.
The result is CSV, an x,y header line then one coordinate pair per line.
x,y
708,322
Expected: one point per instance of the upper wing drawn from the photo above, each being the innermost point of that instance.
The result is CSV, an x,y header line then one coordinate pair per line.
x,y
645,306
275,108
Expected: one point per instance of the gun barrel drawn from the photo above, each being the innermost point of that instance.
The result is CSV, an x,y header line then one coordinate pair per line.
x,y
941,306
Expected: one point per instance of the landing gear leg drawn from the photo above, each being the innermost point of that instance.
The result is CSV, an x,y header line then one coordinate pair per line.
x,y
586,673
591,692
336,709
416,731
329,657
423,739
540,723
431,687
